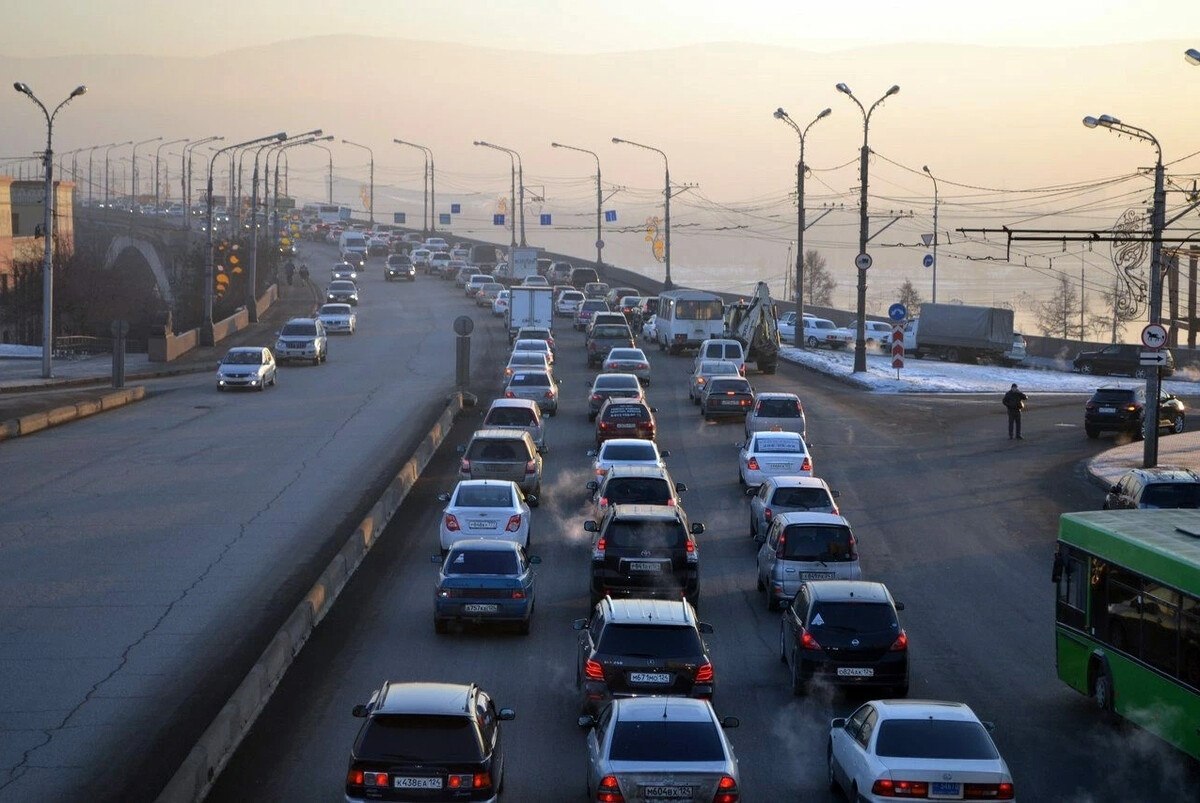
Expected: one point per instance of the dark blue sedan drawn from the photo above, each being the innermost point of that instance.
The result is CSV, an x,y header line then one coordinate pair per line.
x,y
484,581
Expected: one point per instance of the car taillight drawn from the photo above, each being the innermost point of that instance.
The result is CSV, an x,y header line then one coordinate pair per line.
x,y
464,465
704,673
548,394
807,641
693,556
752,464
596,397
612,365
518,594
853,540
367,778
806,465
988,791
514,523
508,394
592,670
608,791
604,501
671,502
745,402
601,545
885,787
478,780
727,790
508,371
901,642
742,370
701,380
768,513
452,523
531,467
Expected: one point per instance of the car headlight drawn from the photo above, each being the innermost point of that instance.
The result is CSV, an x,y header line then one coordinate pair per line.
x,y
280,345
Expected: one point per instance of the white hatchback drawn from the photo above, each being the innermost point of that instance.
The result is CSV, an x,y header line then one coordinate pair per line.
x,y
495,509
773,454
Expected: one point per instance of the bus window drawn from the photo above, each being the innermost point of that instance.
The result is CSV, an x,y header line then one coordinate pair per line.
x,y
701,310
1072,589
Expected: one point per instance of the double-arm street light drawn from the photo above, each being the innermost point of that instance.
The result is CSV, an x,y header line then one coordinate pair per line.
x,y
108,170
935,228
371,209
518,180
158,170
599,201
48,222
860,340
667,285
330,153
430,203
801,168
185,167
1158,217
133,175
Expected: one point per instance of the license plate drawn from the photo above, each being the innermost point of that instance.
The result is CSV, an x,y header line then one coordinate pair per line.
x,y
643,566
626,426
481,525
779,465
417,783
730,403
941,789
1108,409
649,677
667,792
816,575
477,607
856,672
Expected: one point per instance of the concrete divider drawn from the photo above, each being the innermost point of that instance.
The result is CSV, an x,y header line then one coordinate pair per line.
x,y
195,776
36,422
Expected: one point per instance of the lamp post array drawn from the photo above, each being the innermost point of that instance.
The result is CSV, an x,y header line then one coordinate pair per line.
x,y
667,284
133,175
513,158
599,201
108,170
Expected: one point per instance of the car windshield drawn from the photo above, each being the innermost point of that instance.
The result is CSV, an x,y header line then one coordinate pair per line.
x,y
637,491
777,445
642,450
816,542
594,304
481,561
729,386
657,641
664,741
297,329
537,379
1171,495
494,449
854,617
575,296
609,330
935,738
420,737
243,358
804,498
340,285
335,309
645,535
510,417
616,382
779,408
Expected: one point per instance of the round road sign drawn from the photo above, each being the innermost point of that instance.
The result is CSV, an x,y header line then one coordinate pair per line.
x,y
897,312
927,261
463,325
862,261
600,244
1154,336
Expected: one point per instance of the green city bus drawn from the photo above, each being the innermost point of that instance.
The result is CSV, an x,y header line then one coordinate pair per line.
x,y
1127,616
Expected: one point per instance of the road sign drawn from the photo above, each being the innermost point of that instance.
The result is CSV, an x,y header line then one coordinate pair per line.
x,y
497,220
927,238
610,216
1154,336
862,261
455,209
398,218
463,325
927,261
1157,358
443,218
600,244
897,344
897,312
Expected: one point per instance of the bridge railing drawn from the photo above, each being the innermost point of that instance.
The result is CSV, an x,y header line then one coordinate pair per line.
x,y
68,346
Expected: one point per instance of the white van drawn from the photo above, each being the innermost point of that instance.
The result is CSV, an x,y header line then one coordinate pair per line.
x,y
353,247
686,318
721,349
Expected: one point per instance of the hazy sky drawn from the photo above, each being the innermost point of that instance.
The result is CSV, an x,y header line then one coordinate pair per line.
x,y
59,27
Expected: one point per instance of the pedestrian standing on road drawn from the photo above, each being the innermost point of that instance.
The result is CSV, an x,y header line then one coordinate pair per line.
x,y
1014,402
289,269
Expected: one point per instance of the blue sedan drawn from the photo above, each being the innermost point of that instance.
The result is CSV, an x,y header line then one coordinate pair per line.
x,y
484,581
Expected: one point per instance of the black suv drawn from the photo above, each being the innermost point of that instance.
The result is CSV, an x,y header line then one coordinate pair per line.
x,y
635,647
845,632
1119,358
645,551
1161,487
1124,410
427,741
399,266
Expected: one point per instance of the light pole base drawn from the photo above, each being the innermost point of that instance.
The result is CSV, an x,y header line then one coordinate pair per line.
x,y
207,336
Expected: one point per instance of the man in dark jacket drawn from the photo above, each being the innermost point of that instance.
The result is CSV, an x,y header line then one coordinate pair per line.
x,y
1014,402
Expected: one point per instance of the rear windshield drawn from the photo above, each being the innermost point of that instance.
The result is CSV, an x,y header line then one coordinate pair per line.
x,y
726,351
420,737
778,445
655,641
481,561
643,450
531,345
666,741
645,535
626,354
932,738
594,304
573,296
714,368
492,287
494,449
854,617
510,417
728,385
1114,395
534,334
484,496
530,380
610,331
298,329
803,498
637,490
779,408
1171,495
611,382
528,358
626,412
813,542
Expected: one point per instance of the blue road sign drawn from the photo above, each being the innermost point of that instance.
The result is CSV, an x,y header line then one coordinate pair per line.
x,y
398,218
927,261
897,312
545,219
497,220
455,209
443,218
610,216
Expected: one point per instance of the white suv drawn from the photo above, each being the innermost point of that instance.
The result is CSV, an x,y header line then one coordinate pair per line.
x,y
302,339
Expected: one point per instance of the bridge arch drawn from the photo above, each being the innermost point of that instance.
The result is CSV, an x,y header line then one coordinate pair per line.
x,y
149,253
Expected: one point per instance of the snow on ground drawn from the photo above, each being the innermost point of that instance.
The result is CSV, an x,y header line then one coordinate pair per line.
x,y
934,376
10,351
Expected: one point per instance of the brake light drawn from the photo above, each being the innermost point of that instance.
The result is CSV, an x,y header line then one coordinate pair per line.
x,y
452,523
612,365
692,555
605,425
704,673
596,397
600,547
671,502
464,465
806,465
988,791
700,380
901,642
727,790
361,778
508,394
531,467
514,523
604,501
354,778
807,641
549,394
518,594
885,787
752,464
593,670
1090,406
768,513
608,791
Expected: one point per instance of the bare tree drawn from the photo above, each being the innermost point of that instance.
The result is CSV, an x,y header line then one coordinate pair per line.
x,y
819,284
910,298
1059,316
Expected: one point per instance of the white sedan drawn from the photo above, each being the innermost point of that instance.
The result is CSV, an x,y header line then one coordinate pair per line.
x,y
625,452
495,509
338,318
824,332
890,749
247,367
567,303
773,454
500,305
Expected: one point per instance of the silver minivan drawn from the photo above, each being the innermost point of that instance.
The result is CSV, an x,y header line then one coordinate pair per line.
x,y
805,546
523,414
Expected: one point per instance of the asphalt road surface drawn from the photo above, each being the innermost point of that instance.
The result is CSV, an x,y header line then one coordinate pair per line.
x,y
957,520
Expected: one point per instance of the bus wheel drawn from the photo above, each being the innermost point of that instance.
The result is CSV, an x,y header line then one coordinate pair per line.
x,y
1102,688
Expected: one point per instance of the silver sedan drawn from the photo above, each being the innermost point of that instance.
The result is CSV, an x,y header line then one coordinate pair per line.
x,y
246,367
704,374
628,361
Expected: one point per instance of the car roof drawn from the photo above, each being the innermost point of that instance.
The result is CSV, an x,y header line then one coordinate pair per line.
x,y
645,512
671,709
629,610
779,434
626,442
802,517
499,434
614,375
486,545
848,591
777,395
425,698
524,404
619,470
1166,474
924,709
245,350
793,481
300,319
484,483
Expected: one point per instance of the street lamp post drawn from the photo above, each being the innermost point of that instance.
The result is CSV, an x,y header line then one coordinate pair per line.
x,y
512,158
860,340
91,175
158,170
1158,217
935,229
48,223
108,170
371,211
801,168
430,184
330,153
185,167
599,201
133,173
667,285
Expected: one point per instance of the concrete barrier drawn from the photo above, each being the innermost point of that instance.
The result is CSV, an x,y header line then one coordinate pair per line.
x,y
195,776
36,422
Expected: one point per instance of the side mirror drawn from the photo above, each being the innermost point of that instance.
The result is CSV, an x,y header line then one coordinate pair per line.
x,y
697,528
730,722
899,606
535,559
592,485
435,559
654,409
680,488
591,526
461,449
359,711
990,726
705,627
587,722
532,500
751,491
579,624
836,494
837,722
506,714
443,497
592,453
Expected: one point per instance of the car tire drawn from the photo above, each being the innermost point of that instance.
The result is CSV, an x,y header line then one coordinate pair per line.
x,y
759,584
1086,368
316,360
1092,432
799,685
220,389
811,341
592,416
440,626
1102,689
782,652
261,387
1177,424
831,776
772,603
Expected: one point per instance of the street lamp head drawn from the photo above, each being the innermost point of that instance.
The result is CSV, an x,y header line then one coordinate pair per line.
x,y
1192,55
79,90
780,113
1108,119
23,88
1090,122
895,88
926,169
845,90
825,113
555,145
326,138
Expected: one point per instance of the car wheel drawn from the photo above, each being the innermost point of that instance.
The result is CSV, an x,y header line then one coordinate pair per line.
x,y
261,386
591,416
1139,373
1092,432
1102,691
316,360
1086,368
1177,424
220,389
831,776
782,651
440,626
799,686
760,585
811,341
772,603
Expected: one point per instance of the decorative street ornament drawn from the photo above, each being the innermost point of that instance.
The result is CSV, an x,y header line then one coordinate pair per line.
x,y
1127,258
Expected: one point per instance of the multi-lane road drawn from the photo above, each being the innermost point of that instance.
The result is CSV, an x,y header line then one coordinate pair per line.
x,y
957,520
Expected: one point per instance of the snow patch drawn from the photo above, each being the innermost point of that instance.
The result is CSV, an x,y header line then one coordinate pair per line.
x,y
10,351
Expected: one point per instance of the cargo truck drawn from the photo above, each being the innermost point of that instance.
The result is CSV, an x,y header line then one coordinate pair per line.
x,y
960,333
530,306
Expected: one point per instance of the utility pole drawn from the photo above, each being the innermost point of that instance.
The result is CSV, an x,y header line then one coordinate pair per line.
x,y
935,230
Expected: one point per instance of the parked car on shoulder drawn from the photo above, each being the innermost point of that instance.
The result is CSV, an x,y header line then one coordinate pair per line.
x,y
824,332
1120,358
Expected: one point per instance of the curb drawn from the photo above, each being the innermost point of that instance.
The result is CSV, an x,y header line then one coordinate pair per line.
x,y
36,422
84,381
203,764
845,379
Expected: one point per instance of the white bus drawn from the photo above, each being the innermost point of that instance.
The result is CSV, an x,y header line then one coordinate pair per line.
x,y
332,213
686,318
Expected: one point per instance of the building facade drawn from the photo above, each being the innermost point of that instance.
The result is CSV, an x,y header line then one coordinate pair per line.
x,y
22,211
